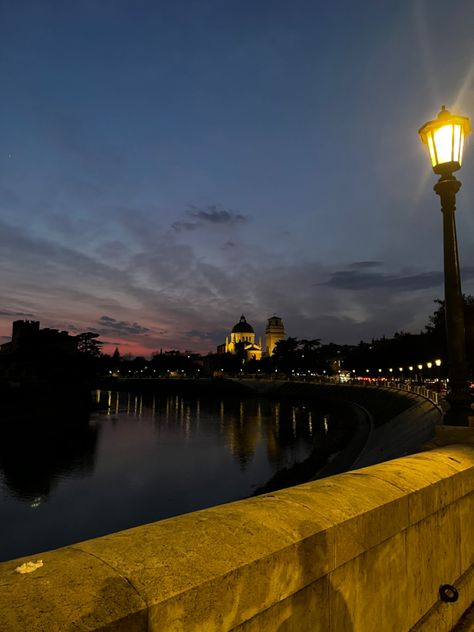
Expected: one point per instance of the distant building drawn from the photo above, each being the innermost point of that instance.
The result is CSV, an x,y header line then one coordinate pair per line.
x,y
274,332
242,339
27,336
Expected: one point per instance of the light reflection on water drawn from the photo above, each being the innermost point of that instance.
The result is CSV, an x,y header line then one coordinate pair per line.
x,y
142,458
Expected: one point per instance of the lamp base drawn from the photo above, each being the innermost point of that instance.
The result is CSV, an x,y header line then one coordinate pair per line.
x,y
460,411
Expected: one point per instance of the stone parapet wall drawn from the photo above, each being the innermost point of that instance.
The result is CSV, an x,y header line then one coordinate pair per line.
x,y
365,551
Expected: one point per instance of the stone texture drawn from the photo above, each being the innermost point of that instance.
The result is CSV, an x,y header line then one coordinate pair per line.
x,y
71,591
369,593
366,550
305,611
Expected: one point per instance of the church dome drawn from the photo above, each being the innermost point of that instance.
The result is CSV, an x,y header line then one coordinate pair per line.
x,y
242,327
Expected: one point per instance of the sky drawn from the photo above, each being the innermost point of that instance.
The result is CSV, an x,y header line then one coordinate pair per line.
x,y
168,165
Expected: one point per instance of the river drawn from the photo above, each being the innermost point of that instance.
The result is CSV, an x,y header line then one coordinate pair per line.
x,y
144,458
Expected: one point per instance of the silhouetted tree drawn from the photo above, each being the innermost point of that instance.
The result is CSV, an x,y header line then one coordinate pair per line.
x,y
89,344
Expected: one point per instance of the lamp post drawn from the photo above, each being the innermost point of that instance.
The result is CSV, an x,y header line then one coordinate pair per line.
x,y
445,139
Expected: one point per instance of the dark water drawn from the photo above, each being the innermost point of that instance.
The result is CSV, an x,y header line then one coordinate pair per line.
x,y
141,460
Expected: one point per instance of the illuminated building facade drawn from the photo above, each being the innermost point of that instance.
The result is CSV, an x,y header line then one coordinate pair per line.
x,y
274,332
242,339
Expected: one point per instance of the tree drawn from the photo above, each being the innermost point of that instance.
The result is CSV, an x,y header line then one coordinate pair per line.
x,y
436,328
307,346
88,344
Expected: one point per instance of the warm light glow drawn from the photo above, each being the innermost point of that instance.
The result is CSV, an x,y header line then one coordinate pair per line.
x,y
420,366
429,364
438,362
410,368
445,139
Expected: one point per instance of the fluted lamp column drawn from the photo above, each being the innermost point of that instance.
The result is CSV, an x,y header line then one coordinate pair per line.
x,y
444,137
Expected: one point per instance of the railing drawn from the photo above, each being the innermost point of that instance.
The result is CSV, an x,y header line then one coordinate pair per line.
x,y
433,396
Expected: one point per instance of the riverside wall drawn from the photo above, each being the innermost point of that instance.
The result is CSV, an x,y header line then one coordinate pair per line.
x,y
362,551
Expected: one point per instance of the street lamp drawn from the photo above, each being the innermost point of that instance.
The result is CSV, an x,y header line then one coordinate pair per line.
x,y
445,140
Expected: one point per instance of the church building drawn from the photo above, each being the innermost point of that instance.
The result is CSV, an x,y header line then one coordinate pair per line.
x,y
242,339
274,332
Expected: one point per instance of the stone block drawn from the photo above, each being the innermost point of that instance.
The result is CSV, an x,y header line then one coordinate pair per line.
x,y
305,611
369,593
217,568
433,558
71,591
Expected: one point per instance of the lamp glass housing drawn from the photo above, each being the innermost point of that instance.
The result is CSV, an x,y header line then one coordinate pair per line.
x,y
445,139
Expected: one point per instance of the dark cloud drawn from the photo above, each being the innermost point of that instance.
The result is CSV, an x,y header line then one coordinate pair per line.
x,y
229,244
72,328
121,326
209,215
7,312
118,343
366,264
214,215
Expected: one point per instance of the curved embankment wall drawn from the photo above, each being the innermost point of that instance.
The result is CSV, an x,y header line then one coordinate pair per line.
x,y
400,422
362,551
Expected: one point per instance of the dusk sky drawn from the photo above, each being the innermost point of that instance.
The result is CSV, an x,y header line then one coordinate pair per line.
x,y
166,166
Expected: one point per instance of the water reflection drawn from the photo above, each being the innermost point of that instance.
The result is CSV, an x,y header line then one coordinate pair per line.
x,y
142,458
243,423
33,457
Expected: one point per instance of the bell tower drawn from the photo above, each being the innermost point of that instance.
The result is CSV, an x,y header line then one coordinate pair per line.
x,y
274,332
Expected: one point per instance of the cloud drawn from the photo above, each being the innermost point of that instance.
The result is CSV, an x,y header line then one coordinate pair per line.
x,y
7,312
229,244
355,280
111,325
179,226
118,343
214,215
210,215
196,296
366,264
216,337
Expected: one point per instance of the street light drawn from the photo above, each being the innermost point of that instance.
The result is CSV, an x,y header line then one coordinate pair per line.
x,y
445,140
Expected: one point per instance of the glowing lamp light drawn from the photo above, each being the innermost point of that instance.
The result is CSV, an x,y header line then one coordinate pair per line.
x,y
445,139
420,366
438,362
429,364
410,368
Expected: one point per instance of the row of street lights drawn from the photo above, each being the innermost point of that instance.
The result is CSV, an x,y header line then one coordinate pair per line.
x,y
444,137
410,368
